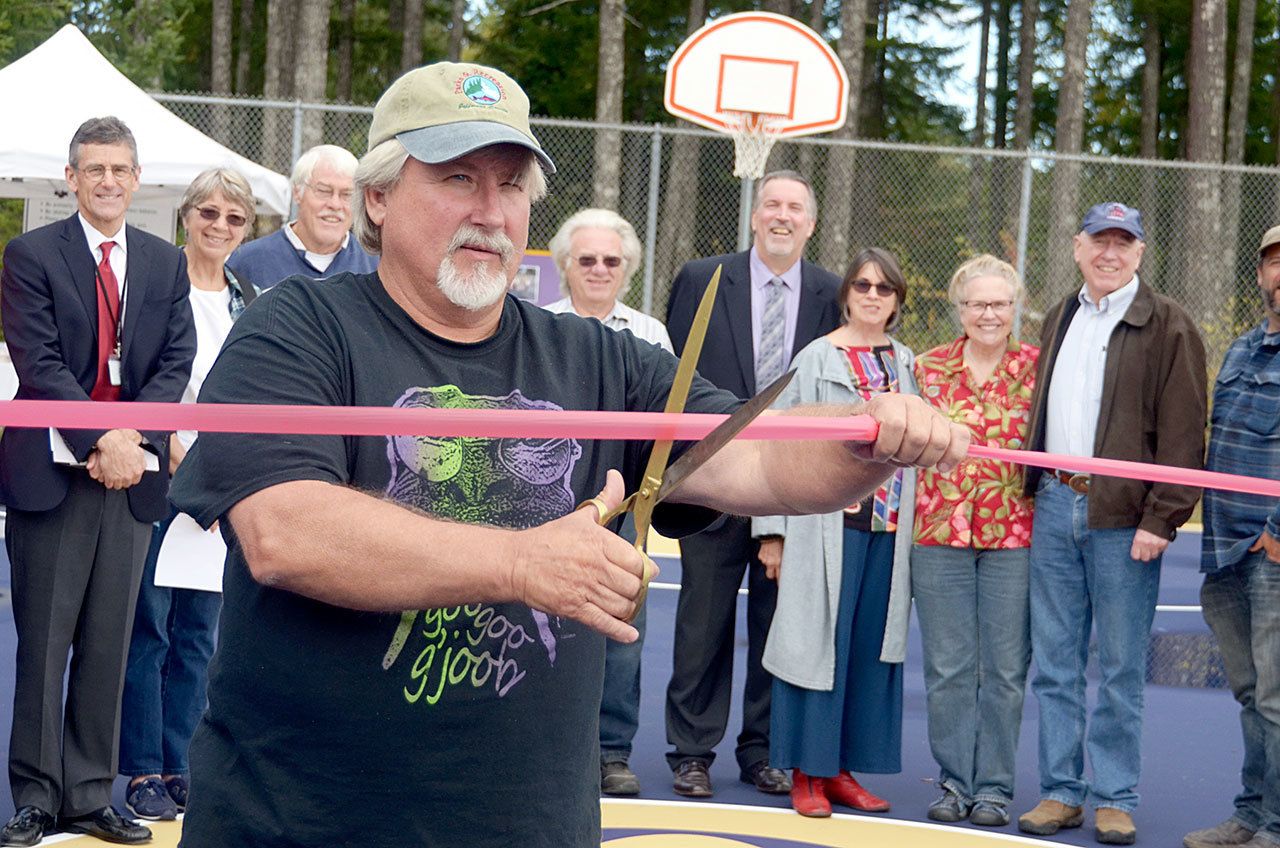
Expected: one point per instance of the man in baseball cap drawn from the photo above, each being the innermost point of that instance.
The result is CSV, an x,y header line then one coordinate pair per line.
x,y
1121,375
337,718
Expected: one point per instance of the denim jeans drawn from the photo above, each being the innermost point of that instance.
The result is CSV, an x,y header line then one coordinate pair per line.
x,y
1242,605
620,699
164,686
1082,578
974,621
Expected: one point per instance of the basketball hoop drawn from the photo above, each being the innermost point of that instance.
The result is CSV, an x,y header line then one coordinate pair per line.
x,y
753,135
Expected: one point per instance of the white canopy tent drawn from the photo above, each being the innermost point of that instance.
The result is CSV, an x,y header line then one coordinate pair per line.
x,y
48,93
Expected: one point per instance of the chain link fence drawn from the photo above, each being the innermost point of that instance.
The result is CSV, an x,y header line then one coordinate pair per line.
x,y
933,207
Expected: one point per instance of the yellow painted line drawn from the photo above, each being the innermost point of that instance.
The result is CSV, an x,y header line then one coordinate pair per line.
x,y
660,545
729,820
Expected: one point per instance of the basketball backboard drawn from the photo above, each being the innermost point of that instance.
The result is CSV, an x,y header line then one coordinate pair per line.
x,y
758,67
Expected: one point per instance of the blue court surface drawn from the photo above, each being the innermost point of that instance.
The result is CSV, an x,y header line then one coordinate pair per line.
x,y
1191,748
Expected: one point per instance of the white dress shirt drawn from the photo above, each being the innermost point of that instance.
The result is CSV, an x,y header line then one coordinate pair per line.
x,y
623,317
1075,388
119,254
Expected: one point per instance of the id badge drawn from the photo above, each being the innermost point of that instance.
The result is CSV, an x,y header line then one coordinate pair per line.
x,y
113,370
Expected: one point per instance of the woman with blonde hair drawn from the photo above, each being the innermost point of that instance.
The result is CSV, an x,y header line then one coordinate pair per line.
x,y
970,561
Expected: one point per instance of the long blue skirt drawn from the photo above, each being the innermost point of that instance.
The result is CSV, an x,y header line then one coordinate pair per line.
x,y
857,726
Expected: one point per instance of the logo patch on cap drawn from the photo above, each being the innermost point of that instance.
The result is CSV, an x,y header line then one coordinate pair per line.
x,y
479,89
1116,212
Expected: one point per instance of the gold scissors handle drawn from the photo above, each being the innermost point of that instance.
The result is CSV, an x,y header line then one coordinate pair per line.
x,y
642,502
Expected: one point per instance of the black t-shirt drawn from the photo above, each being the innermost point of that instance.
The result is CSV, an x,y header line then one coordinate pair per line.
x,y
467,726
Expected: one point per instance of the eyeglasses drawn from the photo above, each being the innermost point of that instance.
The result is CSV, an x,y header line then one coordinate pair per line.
x,y
864,286
977,307
210,214
97,173
590,260
326,192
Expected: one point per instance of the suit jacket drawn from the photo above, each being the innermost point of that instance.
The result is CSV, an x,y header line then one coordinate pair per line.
x,y
49,307
728,355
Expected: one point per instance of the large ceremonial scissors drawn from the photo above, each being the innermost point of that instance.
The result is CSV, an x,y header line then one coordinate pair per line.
x,y
659,481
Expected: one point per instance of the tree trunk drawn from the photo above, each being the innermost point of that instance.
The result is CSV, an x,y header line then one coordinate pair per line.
x,y
411,36
677,226
838,198
1005,174
1022,113
1069,135
608,149
1149,140
311,65
1026,74
978,164
220,62
346,49
457,29
277,84
1207,90
244,46
1004,39
1237,123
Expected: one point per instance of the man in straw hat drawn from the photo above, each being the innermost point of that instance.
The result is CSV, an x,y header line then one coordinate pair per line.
x,y
334,717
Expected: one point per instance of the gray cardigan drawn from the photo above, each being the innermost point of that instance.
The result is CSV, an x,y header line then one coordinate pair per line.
x,y
801,648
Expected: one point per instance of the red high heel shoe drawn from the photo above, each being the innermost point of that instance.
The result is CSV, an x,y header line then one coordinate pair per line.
x,y
843,789
807,797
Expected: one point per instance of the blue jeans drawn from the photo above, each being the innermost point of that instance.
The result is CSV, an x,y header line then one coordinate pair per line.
x,y
1081,577
620,699
1242,605
974,621
174,631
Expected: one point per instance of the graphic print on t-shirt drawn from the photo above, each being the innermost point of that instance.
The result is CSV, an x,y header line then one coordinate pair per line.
x,y
515,483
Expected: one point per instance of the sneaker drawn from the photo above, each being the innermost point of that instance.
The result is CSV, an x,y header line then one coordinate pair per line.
x,y
1230,832
148,799
617,778
178,790
989,814
949,808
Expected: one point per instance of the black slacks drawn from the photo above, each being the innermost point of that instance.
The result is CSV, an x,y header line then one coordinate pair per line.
x,y
75,574
712,565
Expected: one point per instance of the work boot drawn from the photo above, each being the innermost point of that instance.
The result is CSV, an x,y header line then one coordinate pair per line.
x,y
1049,816
1114,827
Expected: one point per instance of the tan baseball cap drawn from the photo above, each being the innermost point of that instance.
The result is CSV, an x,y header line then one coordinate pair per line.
x,y
1270,237
442,111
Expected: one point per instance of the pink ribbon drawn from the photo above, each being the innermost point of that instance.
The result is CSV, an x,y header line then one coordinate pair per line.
x,y
546,424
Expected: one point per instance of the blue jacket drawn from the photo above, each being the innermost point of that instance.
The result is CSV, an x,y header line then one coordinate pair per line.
x,y
270,259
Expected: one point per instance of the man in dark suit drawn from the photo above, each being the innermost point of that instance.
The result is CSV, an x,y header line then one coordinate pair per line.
x,y
92,309
771,303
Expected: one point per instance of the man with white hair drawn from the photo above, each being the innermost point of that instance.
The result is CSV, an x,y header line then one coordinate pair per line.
x,y
318,242
337,718
597,252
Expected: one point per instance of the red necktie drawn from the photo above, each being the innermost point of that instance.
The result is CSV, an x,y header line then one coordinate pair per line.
x,y
108,315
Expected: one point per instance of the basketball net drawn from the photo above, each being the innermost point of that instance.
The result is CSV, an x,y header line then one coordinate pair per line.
x,y
753,137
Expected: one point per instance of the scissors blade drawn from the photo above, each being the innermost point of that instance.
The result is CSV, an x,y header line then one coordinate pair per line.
x,y
724,433
646,497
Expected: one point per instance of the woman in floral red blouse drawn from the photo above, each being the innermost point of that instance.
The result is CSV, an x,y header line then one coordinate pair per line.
x,y
969,564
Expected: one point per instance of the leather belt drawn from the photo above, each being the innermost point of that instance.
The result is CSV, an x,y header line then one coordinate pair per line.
x,y
1078,483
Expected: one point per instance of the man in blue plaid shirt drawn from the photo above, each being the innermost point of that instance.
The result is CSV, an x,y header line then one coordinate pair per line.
x,y
1241,561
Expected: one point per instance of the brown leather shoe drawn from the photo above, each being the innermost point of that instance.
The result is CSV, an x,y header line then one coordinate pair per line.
x,y
1114,827
767,779
692,779
1049,816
